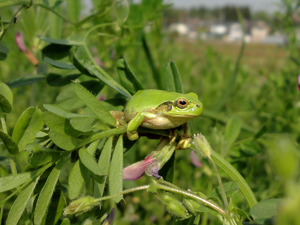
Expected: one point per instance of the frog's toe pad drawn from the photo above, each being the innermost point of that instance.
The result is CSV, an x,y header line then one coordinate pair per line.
x,y
132,136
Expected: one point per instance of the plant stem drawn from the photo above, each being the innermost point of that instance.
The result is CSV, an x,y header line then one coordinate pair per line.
x,y
225,201
235,176
3,124
185,193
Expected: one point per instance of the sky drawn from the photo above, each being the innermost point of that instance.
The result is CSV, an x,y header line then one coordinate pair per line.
x,y
255,5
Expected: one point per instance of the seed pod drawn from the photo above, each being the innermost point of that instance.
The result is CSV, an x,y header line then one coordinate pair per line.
x,y
191,205
174,206
79,206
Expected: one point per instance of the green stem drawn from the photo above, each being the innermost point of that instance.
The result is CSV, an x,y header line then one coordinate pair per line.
x,y
41,171
235,176
103,134
3,124
96,27
220,184
188,194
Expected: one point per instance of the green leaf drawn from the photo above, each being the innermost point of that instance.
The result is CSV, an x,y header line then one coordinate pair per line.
x,y
115,178
46,193
24,81
79,64
10,145
85,123
103,76
230,189
59,64
76,179
65,221
95,105
20,203
56,207
57,80
73,9
41,155
59,124
13,181
167,77
128,78
265,211
64,141
61,41
6,98
3,52
176,77
29,123
56,110
261,132
90,163
104,162
56,51
232,130
93,86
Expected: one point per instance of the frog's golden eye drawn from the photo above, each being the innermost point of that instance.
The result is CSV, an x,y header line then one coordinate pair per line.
x,y
182,103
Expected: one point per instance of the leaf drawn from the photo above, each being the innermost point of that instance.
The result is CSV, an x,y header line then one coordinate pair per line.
x,y
90,163
65,221
167,77
76,179
100,73
56,207
56,110
20,203
85,123
46,193
103,162
73,9
128,78
13,181
59,124
56,51
24,81
64,141
230,189
116,171
57,80
61,41
79,64
232,130
41,155
29,123
10,145
6,98
95,105
176,77
265,211
93,86
261,132
59,64
3,52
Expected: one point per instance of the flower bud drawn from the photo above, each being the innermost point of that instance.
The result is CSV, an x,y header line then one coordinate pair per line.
x,y
191,204
79,206
174,206
201,145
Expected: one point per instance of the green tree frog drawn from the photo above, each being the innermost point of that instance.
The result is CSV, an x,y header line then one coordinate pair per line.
x,y
157,109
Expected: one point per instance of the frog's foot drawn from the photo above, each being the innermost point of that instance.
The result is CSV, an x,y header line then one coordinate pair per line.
x,y
172,136
119,116
184,143
132,136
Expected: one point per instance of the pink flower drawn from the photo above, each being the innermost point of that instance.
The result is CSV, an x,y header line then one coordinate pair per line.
x,y
195,159
20,42
136,170
299,82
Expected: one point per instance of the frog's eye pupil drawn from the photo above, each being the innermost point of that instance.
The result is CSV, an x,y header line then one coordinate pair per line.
x,y
182,103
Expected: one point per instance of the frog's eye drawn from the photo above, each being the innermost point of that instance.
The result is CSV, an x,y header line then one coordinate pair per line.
x,y
182,103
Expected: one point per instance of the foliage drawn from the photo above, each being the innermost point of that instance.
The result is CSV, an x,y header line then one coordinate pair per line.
x,y
62,157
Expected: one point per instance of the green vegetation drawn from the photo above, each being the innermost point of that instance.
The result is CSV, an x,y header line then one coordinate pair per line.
x,y
62,152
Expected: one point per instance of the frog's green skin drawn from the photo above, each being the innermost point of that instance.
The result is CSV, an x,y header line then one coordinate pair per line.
x,y
157,109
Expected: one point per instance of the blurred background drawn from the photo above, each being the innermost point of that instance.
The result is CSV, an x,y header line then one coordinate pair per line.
x,y
240,57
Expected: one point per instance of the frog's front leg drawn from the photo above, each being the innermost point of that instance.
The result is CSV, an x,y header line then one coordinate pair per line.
x,y
185,139
134,124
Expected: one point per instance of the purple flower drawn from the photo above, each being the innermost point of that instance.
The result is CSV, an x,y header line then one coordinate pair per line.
x,y
195,159
299,82
136,170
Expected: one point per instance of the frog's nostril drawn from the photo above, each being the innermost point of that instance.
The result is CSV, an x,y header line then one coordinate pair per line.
x,y
197,106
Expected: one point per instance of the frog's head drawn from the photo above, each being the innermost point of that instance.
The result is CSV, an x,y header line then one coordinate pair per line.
x,y
184,105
